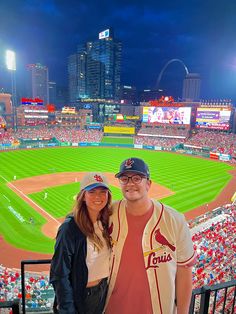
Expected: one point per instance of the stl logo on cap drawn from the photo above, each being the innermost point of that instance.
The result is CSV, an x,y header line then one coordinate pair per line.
x,y
129,163
98,178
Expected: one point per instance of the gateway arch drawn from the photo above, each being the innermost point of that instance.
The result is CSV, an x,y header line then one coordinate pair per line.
x,y
166,65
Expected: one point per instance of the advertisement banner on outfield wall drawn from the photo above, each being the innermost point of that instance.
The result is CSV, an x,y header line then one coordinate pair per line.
x,y
148,147
157,147
65,144
138,146
119,130
224,157
214,155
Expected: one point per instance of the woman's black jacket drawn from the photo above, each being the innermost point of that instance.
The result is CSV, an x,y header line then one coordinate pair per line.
x,y
69,273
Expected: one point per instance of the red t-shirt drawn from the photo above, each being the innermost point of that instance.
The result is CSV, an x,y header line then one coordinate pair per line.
x,y
131,292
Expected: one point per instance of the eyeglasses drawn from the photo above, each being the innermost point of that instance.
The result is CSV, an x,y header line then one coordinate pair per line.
x,y
136,179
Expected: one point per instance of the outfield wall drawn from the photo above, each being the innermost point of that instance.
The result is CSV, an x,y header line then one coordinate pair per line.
x,y
179,148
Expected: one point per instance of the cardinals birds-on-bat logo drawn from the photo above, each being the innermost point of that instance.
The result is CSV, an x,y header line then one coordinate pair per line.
x,y
162,240
98,178
128,163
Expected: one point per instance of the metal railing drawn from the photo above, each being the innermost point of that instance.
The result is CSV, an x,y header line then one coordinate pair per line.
x,y
28,262
216,299
13,305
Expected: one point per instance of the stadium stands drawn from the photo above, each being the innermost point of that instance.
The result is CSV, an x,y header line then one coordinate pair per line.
x,y
65,134
38,292
167,137
219,142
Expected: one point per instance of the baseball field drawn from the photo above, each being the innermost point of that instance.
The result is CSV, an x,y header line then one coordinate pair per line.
x,y
37,187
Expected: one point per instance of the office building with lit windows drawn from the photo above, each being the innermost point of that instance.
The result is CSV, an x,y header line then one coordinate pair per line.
x,y
95,70
77,74
38,86
52,86
191,87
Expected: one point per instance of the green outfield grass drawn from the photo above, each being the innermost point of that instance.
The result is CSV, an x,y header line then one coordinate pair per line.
x,y
117,140
60,199
194,181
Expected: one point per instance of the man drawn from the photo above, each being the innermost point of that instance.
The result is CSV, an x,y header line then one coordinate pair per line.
x,y
152,250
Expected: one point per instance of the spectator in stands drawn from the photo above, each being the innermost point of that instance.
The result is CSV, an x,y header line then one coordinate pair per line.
x,y
80,265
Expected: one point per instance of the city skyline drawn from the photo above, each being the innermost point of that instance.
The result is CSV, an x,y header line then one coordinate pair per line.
x,y
198,33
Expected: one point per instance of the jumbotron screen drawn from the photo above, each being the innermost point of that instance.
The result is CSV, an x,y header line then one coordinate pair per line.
x,y
170,115
213,118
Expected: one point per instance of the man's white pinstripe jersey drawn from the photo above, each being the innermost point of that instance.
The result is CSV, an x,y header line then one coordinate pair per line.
x,y
166,244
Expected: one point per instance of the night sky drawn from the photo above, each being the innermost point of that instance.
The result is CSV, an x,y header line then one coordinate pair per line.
x,y
200,33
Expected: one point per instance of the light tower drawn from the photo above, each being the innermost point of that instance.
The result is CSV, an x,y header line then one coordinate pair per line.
x,y
11,66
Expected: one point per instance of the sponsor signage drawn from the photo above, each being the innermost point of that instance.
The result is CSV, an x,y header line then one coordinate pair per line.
x,y
119,130
68,110
138,146
224,157
214,155
31,101
104,34
38,110
132,117
213,118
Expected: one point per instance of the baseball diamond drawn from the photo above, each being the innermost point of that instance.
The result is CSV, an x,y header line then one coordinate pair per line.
x,y
29,220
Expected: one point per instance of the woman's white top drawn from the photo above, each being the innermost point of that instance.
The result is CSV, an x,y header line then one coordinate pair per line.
x,y
97,260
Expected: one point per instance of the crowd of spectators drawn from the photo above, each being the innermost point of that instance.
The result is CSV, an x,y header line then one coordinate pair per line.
x,y
157,141
38,294
214,242
168,136
218,142
62,134
162,131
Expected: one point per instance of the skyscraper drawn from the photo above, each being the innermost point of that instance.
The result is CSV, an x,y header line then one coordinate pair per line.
x,y
52,86
191,87
38,82
77,74
95,70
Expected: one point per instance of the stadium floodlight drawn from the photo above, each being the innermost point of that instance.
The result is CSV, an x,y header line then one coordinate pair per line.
x,y
11,60
11,66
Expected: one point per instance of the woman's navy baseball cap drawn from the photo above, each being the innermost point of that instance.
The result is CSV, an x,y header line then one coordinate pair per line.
x,y
133,164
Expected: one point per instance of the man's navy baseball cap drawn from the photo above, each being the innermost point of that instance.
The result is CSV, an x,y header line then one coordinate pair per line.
x,y
134,165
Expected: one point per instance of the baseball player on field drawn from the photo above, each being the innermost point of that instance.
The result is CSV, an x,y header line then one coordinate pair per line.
x,y
152,254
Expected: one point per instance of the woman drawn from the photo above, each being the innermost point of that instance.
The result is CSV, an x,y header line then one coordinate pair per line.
x,y
80,264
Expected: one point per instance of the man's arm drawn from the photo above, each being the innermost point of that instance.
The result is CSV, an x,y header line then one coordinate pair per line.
x,y
183,286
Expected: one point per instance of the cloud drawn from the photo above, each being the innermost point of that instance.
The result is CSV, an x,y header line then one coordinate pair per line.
x,y
201,33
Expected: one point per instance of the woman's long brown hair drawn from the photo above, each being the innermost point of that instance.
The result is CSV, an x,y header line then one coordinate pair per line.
x,y
85,223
